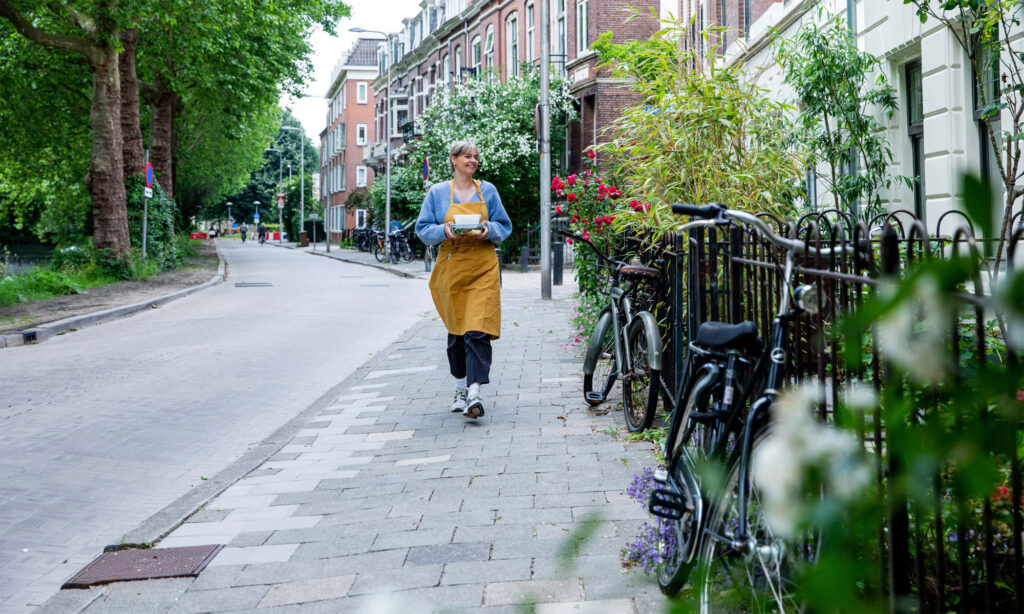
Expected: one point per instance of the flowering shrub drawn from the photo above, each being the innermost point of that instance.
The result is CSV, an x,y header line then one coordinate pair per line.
x,y
654,541
592,205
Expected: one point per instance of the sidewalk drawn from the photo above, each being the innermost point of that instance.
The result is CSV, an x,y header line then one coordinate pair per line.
x,y
387,502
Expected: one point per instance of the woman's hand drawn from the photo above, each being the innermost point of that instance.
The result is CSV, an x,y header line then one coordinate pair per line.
x,y
448,232
486,231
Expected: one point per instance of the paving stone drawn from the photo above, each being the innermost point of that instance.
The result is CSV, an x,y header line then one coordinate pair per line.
x,y
407,539
448,553
305,591
419,576
219,600
487,571
608,606
539,591
143,596
216,577
254,554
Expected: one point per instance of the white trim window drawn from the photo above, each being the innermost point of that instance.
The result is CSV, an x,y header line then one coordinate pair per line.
x,y
489,46
360,218
512,45
360,176
475,50
560,28
458,62
446,70
339,177
361,91
361,134
530,20
582,26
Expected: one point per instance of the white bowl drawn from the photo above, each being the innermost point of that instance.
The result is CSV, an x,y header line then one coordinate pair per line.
x,y
467,219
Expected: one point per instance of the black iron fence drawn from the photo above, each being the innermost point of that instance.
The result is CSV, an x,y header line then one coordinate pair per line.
x,y
939,557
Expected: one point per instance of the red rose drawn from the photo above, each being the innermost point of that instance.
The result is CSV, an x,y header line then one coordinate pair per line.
x,y
558,209
571,197
591,154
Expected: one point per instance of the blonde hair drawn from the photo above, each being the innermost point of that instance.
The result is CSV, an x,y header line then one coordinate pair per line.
x,y
458,148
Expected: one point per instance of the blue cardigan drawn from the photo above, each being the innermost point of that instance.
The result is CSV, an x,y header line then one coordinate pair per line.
x,y
430,225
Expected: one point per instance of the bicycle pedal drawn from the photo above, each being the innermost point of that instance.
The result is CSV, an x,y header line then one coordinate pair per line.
x,y
661,476
594,397
668,504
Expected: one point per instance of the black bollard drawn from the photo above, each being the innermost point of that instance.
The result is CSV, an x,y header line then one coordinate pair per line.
x,y
556,262
524,259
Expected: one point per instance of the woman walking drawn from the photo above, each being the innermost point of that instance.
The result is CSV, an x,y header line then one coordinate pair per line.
x,y
465,284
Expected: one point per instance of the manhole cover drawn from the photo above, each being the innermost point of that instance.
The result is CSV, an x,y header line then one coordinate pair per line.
x,y
253,284
124,565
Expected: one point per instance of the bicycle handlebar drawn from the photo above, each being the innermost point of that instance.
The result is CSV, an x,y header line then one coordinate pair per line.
x,y
717,214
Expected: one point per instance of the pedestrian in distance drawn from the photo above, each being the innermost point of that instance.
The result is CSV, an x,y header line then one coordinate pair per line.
x,y
465,284
212,235
244,230
261,233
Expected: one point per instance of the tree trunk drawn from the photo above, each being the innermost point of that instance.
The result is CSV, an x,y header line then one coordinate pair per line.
x,y
161,134
131,130
106,169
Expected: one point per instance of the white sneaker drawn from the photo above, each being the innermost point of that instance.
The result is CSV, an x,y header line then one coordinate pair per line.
x,y
459,403
475,409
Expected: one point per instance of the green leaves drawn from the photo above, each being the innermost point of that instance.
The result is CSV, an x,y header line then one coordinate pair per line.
x,y
980,207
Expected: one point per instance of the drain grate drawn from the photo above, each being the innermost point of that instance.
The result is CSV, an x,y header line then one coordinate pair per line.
x,y
125,565
253,284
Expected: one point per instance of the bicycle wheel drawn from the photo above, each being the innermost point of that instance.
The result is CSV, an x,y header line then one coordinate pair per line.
x,y
761,578
599,369
405,254
640,382
688,456
378,251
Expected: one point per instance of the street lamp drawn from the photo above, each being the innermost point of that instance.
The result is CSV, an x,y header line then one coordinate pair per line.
x,y
280,206
302,176
387,136
256,203
229,212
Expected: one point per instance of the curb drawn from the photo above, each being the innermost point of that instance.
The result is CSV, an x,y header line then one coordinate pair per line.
x,y
43,332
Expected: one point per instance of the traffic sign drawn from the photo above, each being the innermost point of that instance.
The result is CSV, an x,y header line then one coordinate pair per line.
x,y
149,192
149,176
280,200
256,218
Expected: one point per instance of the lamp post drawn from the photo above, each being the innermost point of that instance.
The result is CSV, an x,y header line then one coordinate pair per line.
x,y
387,136
302,176
229,213
256,203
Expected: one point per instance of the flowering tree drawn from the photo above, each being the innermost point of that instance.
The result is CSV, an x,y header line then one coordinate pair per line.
x,y
498,117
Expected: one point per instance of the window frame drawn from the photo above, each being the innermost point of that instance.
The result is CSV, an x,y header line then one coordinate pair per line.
x,y
362,92
489,46
915,132
360,218
582,27
361,183
476,52
531,28
512,45
362,139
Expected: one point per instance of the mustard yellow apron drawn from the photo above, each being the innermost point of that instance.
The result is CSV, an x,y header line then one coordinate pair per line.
x,y
464,284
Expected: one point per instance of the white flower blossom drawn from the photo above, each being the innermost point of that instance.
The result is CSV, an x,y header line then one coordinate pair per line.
x,y
913,335
797,444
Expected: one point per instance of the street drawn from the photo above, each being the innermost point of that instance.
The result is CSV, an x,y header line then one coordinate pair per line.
x,y
103,427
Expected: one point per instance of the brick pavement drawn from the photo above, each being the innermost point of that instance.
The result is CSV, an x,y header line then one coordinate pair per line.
x,y
387,502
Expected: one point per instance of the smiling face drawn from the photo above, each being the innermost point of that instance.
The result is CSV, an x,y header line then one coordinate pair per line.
x,y
467,162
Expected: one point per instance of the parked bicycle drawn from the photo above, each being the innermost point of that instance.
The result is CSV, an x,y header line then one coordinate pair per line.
x,y
377,246
363,239
625,344
401,250
720,416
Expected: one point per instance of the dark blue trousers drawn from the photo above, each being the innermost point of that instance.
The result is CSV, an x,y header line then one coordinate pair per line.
x,y
469,356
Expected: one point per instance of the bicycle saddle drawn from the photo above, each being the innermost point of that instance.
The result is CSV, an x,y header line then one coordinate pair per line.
x,y
742,336
637,272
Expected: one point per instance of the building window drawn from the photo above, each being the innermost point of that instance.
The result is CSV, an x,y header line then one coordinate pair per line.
x,y
341,178
986,95
915,130
360,134
560,28
512,41
582,26
475,50
360,218
489,47
529,32
447,69
360,176
458,61
361,93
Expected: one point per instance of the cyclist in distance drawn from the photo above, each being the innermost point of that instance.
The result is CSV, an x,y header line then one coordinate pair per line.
x,y
261,233
464,284
244,231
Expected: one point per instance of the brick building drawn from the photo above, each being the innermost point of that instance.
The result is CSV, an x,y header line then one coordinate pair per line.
x,y
456,39
349,128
